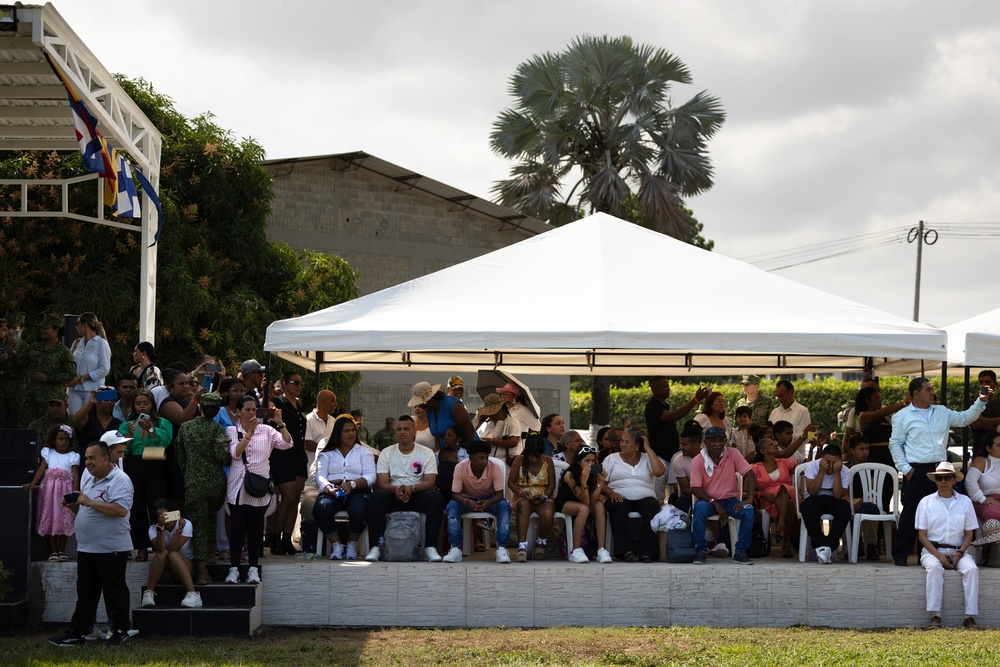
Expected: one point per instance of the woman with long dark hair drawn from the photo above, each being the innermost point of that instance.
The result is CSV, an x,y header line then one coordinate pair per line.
x,y
145,464
581,495
250,444
345,474
147,375
532,481
873,421
553,428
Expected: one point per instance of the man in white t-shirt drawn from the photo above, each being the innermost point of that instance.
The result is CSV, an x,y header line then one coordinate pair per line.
x,y
407,473
827,483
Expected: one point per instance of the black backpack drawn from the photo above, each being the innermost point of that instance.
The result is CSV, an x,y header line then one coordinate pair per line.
x,y
760,544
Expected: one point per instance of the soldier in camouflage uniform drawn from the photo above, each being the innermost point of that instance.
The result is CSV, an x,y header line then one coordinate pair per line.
x,y
56,413
386,437
761,406
48,367
202,449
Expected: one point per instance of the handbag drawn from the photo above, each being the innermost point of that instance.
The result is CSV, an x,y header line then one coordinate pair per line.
x,y
154,454
680,546
255,485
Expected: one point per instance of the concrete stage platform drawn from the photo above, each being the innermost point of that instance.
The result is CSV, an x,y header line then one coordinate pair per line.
x,y
478,592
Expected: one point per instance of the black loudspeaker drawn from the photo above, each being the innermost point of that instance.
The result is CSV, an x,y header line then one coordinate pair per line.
x,y
18,456
15,527
69,330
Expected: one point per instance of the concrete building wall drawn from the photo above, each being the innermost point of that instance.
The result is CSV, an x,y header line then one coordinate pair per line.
x,y
391,233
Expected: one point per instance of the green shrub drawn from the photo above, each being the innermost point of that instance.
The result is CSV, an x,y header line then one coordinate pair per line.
x,y
823,398
5,587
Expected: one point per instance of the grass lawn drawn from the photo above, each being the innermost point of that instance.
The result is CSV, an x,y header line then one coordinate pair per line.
x,y
635,647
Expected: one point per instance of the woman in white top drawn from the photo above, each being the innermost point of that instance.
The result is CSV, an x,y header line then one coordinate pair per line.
x,y
93,360
424,435
499,430
983,481
631,475
713,413
345,474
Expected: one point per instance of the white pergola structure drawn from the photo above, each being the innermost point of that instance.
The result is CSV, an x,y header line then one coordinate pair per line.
x,y
35,115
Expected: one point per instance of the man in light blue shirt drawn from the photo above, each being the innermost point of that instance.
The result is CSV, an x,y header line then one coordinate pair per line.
x,y
918,443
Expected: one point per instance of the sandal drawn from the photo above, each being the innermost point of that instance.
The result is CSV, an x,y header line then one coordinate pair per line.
x,y
786,550
539,553
63,558
628,557
140,556
54,557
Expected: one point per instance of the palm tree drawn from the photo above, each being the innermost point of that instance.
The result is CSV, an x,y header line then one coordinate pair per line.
x,y
597,118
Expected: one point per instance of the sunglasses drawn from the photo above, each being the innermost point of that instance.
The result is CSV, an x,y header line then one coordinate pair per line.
x,y
944,478
586,449
295,382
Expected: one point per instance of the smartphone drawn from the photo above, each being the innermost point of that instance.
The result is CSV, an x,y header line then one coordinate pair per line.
x,y
107,395
207,383
811,436
213,368
143,417
596,469
71,498
265,413
171,516
983,390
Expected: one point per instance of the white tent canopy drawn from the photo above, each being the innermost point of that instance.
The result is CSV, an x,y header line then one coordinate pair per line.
x,y
601,296
975,341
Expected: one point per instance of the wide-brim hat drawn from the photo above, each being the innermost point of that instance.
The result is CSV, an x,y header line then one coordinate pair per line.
x,y
423,392
492,404
991,533
510,387
946,468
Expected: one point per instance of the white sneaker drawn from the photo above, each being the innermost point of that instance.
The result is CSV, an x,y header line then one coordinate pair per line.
x,y
720,550
253,576
234,576
148,599
374,554
578,556
432,555
454,555
824,555
502,555
603,555
337,551
191,600
352,551
99,632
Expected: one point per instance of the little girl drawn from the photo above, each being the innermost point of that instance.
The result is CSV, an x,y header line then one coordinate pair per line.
x,y
59,473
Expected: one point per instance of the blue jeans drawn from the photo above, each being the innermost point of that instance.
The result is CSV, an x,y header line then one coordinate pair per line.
x,y
704,509
500,510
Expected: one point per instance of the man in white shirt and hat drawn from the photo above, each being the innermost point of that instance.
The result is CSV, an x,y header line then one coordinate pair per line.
x,y
945,522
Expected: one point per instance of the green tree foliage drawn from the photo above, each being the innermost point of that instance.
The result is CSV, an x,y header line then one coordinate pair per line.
x,y
220,282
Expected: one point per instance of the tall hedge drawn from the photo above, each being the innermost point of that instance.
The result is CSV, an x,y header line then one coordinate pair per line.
x,y
824,398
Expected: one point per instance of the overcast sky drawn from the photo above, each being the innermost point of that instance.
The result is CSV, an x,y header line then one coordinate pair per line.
x,y
844,118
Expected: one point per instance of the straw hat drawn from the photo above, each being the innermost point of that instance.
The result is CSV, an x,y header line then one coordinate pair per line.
x,y
991,533
492,404
423,392
946,468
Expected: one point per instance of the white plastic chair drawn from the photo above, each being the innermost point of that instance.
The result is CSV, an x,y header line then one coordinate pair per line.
x,y
362,539
561,467
873,476
800,476
469,517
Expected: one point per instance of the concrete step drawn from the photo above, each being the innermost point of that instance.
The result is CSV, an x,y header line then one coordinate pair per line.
x,y
202,622
212,595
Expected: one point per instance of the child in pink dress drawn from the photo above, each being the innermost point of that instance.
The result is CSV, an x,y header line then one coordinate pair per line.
x,y
59,474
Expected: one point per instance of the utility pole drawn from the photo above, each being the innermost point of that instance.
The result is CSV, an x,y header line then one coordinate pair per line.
x,y
921,235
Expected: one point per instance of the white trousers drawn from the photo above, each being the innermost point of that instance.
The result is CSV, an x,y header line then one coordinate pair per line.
x,y
935,582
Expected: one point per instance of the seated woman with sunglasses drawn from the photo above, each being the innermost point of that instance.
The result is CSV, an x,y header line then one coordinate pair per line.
x,y
581,496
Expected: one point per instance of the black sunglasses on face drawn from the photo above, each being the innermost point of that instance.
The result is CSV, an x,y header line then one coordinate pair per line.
x,y
945,478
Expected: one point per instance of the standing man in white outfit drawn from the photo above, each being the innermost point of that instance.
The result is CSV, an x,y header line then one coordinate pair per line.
x,y
945,523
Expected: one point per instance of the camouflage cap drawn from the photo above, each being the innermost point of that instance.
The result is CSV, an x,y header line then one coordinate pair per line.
x,y
50,321
211,399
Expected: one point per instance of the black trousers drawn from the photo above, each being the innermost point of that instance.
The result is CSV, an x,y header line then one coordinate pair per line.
x,y
429,502
813,508
97,574
246,522
915,489
647,508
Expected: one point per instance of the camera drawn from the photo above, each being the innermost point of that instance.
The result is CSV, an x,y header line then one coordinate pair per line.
x,y
265,413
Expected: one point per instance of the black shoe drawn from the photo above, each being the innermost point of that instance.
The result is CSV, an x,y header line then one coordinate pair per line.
x,y
286,544
901,562
871,552
68,640
118,637
277,549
